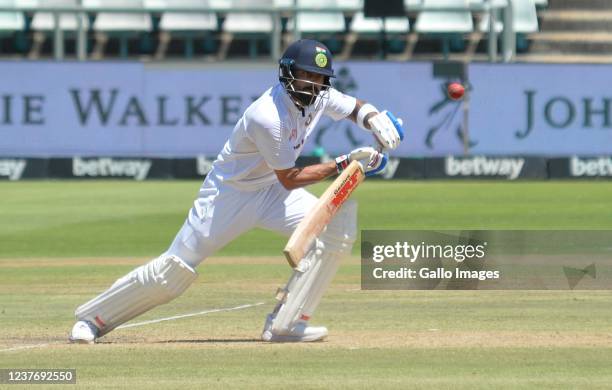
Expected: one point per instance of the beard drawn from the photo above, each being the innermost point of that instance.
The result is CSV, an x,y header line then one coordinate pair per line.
x,y
304,99
307,96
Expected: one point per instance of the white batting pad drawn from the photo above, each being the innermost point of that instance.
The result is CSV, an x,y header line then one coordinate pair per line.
x,y
149,285
341,232
305,288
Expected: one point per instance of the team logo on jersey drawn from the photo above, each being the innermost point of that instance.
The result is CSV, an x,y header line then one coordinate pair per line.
x,y
321,60
293,135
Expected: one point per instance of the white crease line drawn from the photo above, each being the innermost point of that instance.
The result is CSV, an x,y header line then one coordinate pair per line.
x,y
200,313
24,347
190,315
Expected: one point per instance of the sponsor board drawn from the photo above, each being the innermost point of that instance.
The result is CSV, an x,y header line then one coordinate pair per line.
x,y
580,168
404,168
536,114
135,110
451,167
110,168
591,167
510,168
12,169
485,167
23,168
192,168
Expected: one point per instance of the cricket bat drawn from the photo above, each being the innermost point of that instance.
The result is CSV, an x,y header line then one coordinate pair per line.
x,y
314,222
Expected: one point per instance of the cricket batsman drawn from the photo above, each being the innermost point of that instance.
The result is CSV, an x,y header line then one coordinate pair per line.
x,y
254,183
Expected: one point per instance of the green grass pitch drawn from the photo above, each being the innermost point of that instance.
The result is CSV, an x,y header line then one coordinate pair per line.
x,y
63,242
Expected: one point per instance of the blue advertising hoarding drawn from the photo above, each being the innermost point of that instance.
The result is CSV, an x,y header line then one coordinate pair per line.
x,y
541,109
129,109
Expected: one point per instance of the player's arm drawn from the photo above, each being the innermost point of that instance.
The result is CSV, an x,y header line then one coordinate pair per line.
x,y
293,178
386,128
371,160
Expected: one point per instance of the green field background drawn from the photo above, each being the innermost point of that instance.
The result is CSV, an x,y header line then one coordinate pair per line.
x,y
63,242
125,218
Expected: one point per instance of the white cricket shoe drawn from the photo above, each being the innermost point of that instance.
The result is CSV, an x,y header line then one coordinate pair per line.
x,y
301,332
83,332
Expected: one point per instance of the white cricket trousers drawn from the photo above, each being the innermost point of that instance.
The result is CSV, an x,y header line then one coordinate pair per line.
x,y
222,213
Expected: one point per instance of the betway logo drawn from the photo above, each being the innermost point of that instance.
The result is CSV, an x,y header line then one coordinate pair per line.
x,y
591,166
13,169
108,167
484,166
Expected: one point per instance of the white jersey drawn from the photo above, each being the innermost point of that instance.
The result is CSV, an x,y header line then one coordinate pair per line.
x,y
271,134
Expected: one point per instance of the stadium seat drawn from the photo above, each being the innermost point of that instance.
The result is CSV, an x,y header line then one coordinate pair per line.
x,y
26,4
352,6
121,25
361,24
187,26
525,17
249,22
393,25
323,26
411,3
251,26
541,3
445,21
370,28
43,23
483,25
10,22
319,22
445,24
525,20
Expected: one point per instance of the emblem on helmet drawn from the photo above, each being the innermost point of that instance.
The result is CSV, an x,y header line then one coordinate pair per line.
x,y
321,60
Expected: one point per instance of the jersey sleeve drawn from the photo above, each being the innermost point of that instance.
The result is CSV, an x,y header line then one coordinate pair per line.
x,y
339,105
268,137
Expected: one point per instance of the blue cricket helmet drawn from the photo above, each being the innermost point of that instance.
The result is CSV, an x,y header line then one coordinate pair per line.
x,y
310,56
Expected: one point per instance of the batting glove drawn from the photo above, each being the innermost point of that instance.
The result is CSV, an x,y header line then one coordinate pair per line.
x,y
371,160
387,129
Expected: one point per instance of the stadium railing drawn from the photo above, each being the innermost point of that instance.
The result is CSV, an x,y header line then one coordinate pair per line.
x,y
490,7
186,25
